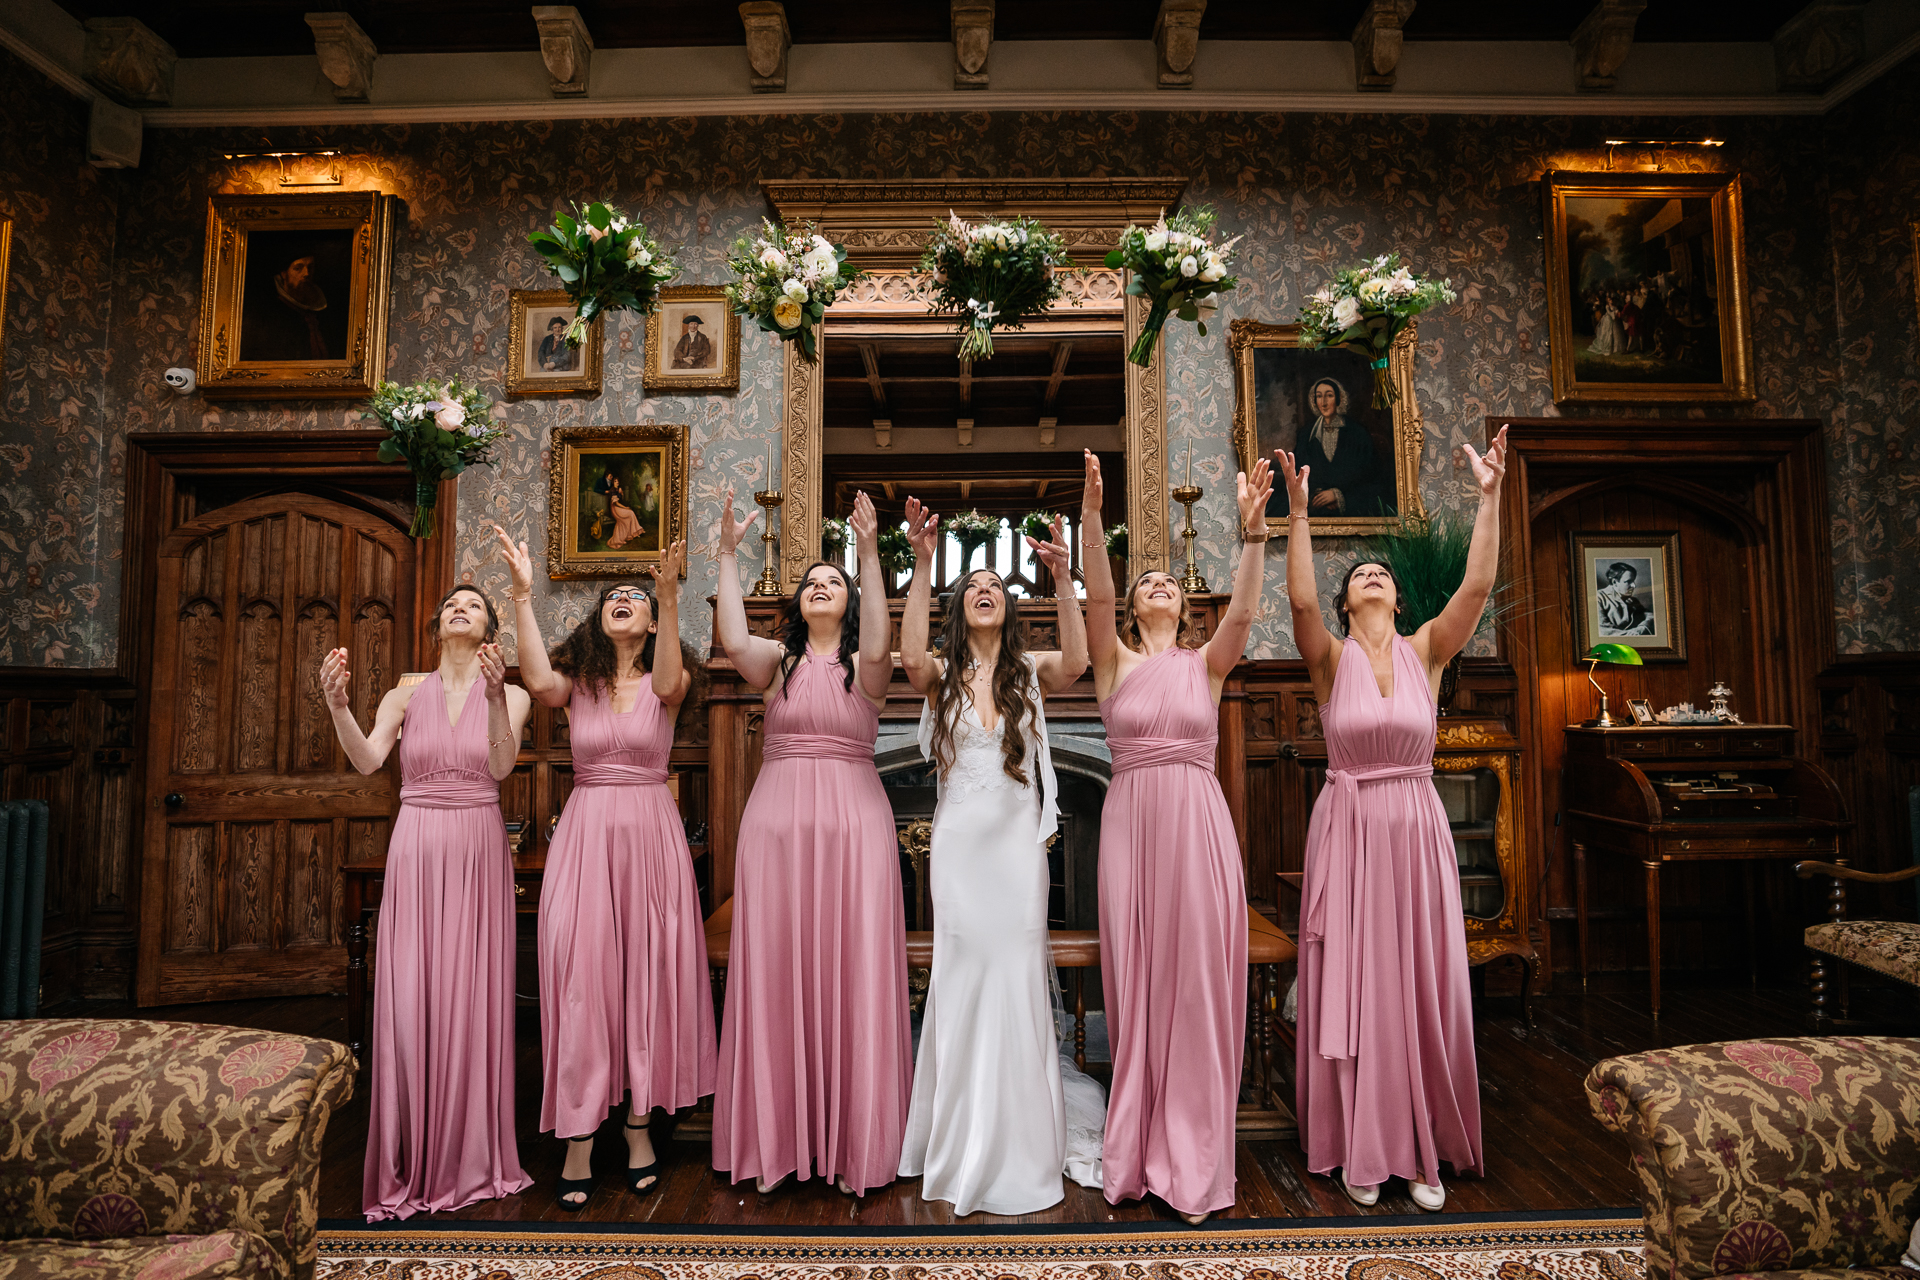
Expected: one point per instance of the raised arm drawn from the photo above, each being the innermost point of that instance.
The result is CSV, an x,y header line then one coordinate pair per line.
x,y
876,658
1310,632
1103,640
1058,670
507,709
1448,634
542,681
916,658
1229,642
365,751
671,678
756,658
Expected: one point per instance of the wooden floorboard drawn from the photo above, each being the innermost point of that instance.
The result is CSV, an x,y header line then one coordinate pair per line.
x,y
1543,1149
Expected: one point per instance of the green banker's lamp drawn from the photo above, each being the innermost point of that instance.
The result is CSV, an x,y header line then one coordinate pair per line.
x,y
1624,655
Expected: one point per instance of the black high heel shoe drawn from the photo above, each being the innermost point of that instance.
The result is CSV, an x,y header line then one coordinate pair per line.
x,y
636,1176
572,1186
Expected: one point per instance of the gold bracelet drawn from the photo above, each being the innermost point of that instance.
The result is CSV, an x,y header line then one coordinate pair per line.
x,y
1298,515
519,599
498,742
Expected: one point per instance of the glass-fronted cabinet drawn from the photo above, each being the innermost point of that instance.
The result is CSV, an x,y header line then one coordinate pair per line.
x,y
1475,764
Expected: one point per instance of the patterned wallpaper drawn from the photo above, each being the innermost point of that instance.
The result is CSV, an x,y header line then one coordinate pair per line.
x,y
107,272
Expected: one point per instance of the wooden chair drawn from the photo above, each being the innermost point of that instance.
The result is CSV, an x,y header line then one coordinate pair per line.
x,y
1887,947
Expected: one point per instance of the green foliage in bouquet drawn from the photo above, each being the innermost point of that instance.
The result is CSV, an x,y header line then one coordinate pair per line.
x,y
605,263
996,275
972,531
785,279
1428,558
833,538
1364,309
896,551
1038,524
1177,268
1117,541
437,432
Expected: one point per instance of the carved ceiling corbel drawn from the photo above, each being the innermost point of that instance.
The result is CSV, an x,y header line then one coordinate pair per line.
x,y
1176,41
1377,40
566,46
972,42
346,55
1819,44
132,64
1602,41
768,40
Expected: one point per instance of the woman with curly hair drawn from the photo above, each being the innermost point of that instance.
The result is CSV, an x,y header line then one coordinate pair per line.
x,y
625,1011
816,1051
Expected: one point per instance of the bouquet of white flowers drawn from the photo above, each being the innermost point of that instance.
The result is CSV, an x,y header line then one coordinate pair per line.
x,y
437,432
605,263
785,279
1365,308
994,275
1177,268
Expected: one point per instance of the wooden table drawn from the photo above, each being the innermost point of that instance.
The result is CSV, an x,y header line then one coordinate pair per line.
x,y
1665,794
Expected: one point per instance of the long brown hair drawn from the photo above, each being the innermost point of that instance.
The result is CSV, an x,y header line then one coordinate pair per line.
x,y
1012,682
1130,622
791,634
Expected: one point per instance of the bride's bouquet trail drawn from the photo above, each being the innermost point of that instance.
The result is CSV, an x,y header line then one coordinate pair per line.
x,y
993,275
1364,309
605,262
438,432
1177,268
785,279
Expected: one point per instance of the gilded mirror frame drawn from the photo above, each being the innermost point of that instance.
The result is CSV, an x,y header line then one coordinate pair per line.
x,y
884,226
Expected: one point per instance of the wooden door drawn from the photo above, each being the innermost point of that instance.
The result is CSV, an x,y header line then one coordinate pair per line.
x,y
251,805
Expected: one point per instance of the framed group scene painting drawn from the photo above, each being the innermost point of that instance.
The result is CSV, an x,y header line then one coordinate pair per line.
x,y
616,499
1317,403
1646,288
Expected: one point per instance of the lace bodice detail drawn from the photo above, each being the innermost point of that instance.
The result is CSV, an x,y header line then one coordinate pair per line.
x,y
978,765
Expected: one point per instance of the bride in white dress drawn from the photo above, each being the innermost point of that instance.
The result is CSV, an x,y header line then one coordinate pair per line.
x,y
989,1123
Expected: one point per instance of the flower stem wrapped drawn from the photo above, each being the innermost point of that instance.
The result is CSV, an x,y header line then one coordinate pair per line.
x,y
605,263
994,275
1177,268
437,432
1364,309
785,279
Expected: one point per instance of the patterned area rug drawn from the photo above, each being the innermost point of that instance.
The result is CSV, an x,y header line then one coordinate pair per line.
x,y
1470,1247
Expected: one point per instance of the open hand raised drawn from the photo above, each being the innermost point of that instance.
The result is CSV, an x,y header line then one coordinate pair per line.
x,y
923,531
1094,492
731,529
1490,470
333,678
519,562
673,562
865,523
1253,492
1295,480
493,670
1054,554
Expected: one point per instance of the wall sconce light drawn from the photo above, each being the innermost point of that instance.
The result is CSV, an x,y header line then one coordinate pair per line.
x,y
329,168
1657,144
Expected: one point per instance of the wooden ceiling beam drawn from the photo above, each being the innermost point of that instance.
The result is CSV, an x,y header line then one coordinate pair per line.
x,y
1062,352
871,359
966,384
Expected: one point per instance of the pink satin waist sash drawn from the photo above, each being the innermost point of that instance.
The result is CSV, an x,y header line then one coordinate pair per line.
x,y
1154,753
1329,918
450,789
617,773
816,746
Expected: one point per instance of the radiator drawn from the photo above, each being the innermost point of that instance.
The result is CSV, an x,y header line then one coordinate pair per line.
x,y
23,894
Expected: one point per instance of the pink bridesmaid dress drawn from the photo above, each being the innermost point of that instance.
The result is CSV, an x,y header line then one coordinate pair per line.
x,y
440,1133
816,1056
1386,1080
1173,941
624,1000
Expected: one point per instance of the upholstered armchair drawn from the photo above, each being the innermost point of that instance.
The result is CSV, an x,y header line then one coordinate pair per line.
x,y
1781,1158
162,1149
1890,948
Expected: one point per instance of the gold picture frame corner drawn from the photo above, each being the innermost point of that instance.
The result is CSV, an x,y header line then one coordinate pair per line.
x,y
564,448
591,379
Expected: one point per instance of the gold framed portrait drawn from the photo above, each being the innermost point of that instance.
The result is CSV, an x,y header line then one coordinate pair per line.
x,y
1647,288
539,361
6,259
616,499
293,298
1317,403
693,341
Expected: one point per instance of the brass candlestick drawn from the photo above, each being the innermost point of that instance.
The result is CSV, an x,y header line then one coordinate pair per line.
x,y
1186,495
769,583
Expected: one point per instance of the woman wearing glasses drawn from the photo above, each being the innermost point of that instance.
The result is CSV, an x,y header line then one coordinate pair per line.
x,y
624,1005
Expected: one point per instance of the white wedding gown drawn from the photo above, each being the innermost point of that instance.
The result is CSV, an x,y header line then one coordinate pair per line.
x,y
997,1116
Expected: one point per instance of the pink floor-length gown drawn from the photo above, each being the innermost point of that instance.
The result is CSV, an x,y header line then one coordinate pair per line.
x,y
624,1000
816,1057
1386,1080
440,1129
1173,941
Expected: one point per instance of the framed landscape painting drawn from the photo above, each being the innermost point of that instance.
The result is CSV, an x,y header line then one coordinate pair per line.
x,y
1647,288
539,362
1318,405
616,499
1626,590
293,301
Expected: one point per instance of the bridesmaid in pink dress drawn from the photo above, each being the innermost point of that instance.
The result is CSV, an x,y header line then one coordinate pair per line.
x,y
440,1132
1173,894
1386,1082
625,1009
816,1055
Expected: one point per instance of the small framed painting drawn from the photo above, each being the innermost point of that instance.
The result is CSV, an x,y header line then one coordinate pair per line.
x,y
539,361
1627,591
693,341
293,299
1317,404
6,256
1647,288
616,498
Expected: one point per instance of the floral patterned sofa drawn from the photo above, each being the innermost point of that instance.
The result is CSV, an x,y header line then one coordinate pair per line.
x,y
1786,1158
162,1150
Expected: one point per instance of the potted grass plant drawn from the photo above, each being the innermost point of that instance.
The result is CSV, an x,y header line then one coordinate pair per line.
x,y
1428,558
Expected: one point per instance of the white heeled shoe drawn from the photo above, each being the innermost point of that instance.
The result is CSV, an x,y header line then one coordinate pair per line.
x,y
1431,1198
1365,1197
